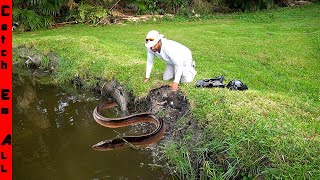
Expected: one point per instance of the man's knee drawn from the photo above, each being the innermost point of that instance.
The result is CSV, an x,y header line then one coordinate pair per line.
x,y
167,77
188,76
168,73
186,79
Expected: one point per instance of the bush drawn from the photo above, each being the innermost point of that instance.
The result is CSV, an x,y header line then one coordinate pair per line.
x,y
32,15
91,14
29,20
250,5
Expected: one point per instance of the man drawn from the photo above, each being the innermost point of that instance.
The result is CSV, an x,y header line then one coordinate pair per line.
x,y
180,65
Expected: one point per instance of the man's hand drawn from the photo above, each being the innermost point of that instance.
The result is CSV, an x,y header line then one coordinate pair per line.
x,y
174,86
146,80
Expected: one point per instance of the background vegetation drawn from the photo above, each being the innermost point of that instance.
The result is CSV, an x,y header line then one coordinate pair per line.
x,y
37,14
270,131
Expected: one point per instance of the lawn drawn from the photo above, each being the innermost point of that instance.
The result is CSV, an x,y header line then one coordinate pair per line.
x,y
269,131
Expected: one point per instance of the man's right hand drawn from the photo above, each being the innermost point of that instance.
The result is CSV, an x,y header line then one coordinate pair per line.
x,y
146,80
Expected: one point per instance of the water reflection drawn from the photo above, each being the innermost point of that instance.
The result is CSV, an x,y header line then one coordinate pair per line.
x,y
53,131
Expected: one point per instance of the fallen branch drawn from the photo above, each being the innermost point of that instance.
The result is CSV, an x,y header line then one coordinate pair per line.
x,y
63,23
108,12
114,5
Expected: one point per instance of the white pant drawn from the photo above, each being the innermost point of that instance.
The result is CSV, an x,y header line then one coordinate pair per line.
x,y
188,73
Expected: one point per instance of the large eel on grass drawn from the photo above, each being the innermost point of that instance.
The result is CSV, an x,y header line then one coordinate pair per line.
x,y
126,141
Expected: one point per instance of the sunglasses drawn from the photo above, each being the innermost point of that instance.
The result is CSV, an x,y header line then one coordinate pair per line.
x,y
149,39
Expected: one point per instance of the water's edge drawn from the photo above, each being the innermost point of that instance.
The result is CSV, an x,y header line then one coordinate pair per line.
x,y
165,104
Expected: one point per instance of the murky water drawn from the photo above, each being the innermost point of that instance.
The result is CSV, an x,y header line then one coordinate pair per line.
x,y
53,131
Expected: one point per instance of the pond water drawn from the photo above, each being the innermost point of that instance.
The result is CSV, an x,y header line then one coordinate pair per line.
x,y
53,131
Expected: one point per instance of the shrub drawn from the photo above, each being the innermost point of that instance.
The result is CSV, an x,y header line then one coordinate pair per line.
x,y
32,15
250,5
90,14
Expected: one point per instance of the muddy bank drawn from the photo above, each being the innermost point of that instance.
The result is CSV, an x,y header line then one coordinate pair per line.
x,y
165,104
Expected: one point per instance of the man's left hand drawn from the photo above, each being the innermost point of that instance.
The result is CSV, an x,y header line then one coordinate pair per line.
x,y
174,86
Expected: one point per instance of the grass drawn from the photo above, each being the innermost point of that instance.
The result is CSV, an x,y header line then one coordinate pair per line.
x,y
270,131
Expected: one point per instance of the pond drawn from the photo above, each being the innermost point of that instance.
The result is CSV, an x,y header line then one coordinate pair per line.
x,y
53,131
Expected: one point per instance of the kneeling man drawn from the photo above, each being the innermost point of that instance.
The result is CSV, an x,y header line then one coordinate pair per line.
x,y
178,57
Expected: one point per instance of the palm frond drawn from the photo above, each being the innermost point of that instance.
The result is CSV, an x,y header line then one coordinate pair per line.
x,y
29,19
51,7
16,3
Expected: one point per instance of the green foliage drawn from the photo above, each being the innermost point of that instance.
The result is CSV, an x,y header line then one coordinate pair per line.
x,y
35,14
178,5
90,14
184,11
45,62
147,6
250,5
29,19
160,6
49,7
178,154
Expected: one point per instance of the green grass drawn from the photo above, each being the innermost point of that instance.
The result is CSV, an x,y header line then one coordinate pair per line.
x,y
270,131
